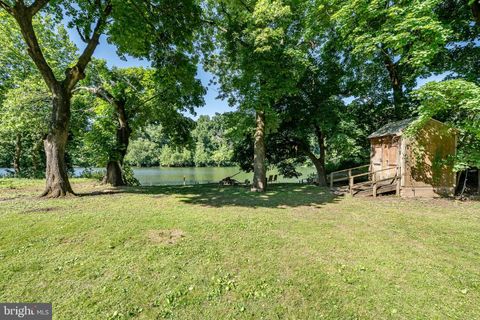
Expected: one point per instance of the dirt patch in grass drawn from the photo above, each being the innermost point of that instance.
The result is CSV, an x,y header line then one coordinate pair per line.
x,y
171,236
36,210
74,240
9,199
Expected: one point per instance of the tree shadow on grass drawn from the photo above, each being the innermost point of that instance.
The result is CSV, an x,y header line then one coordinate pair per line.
x,y
108,192
212,195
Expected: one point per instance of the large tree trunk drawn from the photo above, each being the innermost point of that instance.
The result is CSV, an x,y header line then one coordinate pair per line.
x,y
18,154
476,10
320,167
320,162
114,174
259,169
397,85
123,131
55,143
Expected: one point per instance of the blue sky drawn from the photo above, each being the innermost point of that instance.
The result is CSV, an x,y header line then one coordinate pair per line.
x,y
108,53
436,77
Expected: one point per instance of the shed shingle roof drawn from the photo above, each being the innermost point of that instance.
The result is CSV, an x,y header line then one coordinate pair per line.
x,y
392,128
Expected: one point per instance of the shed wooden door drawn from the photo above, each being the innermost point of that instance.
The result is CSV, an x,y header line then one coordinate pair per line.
x,y
389,159
377,157
384,155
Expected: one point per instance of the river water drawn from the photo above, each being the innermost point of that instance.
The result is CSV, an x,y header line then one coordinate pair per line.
x,y
175,176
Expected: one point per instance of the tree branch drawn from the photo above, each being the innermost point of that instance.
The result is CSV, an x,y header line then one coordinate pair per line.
x,y
94,40
82,37
76,73
309,154
6,7
99,92
246,7
106,96
211,22
24,19
37,6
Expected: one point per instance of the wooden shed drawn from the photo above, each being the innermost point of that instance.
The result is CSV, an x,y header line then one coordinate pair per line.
x,y
423,163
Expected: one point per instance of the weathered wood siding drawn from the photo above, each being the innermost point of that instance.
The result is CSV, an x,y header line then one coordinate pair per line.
x,y
385,153
426,160
429,158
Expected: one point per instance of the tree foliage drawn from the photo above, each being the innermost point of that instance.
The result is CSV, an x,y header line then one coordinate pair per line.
x,y
456,102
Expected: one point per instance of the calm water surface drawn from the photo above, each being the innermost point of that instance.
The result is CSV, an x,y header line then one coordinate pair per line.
x,y
174,176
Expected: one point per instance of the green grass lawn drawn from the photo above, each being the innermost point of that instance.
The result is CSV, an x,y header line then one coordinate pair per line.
x,y
204,252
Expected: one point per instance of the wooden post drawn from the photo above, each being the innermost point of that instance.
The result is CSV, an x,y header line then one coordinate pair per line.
x,y
399,180
374,186
331,180
350,181
478,187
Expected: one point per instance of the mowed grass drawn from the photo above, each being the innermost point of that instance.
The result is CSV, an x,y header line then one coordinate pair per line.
x,y
206,252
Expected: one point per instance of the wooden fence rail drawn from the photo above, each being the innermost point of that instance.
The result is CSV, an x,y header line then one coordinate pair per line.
x,y
344,178
372,182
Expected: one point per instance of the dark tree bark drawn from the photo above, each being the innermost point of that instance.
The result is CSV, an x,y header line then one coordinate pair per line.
x,y
114,174
114,168
57,184
123,131
478,181
476,10
320,161
320,167
259,169
396,82
55,144
18,154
